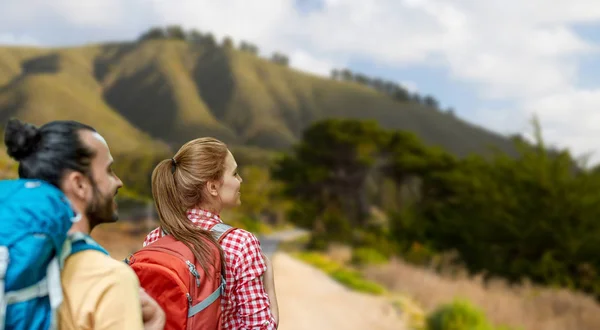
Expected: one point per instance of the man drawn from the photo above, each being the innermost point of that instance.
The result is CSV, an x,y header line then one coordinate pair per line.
x,y
99,291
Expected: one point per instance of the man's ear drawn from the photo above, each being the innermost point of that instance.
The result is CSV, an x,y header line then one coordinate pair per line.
x,y
212,188
76,184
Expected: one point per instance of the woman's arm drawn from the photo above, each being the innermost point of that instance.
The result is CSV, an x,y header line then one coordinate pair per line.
x,y
269,282
252,301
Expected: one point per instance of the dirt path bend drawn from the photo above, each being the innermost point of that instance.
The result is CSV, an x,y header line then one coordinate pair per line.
x,y
310,300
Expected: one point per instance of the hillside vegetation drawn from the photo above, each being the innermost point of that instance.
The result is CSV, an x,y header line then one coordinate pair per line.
x,y
151,94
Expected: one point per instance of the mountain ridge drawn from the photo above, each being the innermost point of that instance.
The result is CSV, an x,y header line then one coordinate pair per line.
x,y
154,95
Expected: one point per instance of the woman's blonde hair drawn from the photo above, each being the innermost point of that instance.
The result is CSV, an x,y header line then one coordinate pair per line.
x,y
180,183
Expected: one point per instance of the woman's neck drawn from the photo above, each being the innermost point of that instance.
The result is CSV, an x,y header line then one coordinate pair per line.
x,y
209,208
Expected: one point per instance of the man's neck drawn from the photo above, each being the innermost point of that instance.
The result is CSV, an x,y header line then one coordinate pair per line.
x,y
81,226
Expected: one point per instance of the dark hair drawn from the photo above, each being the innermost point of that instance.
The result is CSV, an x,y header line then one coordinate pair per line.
x,y
46,152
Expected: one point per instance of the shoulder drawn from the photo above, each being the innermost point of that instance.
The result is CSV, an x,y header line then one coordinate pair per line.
x,y
120,271
247,260
94,264
245,250
241,240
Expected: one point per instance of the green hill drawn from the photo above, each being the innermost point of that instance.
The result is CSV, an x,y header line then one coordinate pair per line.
x,y
146,96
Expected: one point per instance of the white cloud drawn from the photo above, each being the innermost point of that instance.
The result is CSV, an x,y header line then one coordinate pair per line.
x,y
90,13
97,13
304,61
511,50
260,22
18,40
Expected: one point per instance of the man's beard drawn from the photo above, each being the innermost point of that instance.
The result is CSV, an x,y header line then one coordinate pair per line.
x,y
100,210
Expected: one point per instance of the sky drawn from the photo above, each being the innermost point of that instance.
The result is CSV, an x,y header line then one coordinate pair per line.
x,y
497,63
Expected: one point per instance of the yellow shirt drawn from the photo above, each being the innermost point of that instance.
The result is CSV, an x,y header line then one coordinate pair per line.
x,y
99,293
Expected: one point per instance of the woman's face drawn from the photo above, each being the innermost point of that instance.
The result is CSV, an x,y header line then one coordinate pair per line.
x,y
229,190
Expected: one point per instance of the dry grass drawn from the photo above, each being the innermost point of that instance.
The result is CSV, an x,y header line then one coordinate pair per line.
x,y
339,253
526,306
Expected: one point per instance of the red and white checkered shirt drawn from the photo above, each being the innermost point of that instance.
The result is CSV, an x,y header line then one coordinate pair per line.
x,y
245,303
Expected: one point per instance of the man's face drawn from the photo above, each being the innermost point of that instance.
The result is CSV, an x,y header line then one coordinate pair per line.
x,y
102,207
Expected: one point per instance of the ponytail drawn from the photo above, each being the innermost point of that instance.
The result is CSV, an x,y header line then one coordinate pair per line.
x,y
173,214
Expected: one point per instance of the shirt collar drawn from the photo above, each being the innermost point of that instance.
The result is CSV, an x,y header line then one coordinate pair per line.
x,y
197,213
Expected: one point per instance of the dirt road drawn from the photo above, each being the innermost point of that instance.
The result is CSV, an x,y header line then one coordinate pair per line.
x,y
308,298
311,300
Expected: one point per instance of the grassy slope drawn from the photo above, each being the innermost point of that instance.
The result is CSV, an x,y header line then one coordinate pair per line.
x,y
152,86
303,98
172,91
57,85
290,100
193,90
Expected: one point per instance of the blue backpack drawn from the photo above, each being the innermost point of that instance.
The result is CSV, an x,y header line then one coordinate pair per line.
x,y
35,217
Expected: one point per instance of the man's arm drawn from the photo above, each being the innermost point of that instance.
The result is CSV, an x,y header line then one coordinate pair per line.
x,y
119,306
253,304
152,314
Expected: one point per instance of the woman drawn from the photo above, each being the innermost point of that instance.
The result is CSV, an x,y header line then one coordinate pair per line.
x,y
190,190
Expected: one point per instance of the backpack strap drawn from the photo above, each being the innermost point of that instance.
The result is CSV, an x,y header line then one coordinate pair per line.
x,y
49,286
209,300
220,230
82,242
3,268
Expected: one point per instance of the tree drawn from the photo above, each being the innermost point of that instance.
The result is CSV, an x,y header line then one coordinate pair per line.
x,y
378,84
533,215
327,171
528,216
153,33
347,75
195,36
280,58
361,79
175,32
260,192
248,47
390,88
208,40
431,102
335,74
227,43
401,94
416,98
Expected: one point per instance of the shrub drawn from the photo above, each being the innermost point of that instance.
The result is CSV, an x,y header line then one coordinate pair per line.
x,y
419,254
355,281
366,256
347,277
378,240
458,315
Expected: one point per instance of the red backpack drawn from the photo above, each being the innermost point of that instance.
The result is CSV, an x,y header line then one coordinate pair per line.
x,y
169,273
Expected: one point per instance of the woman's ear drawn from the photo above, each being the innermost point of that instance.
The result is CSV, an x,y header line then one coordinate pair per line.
x,y
213,188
